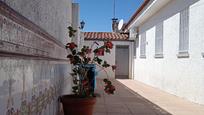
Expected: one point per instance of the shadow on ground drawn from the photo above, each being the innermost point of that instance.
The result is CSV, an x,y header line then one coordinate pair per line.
x,y
124,102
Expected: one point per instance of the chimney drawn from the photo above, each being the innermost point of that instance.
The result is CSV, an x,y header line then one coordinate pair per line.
x,y
115,25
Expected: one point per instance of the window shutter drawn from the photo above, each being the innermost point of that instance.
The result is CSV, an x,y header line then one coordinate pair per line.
x,y
184,31
159,39
143,45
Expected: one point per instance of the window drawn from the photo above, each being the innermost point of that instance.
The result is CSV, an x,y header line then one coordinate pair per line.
x,y
183,36
143,45
159,41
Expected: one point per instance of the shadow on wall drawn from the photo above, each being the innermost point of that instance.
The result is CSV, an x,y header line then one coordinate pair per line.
x,y
5,87
169,11
30,84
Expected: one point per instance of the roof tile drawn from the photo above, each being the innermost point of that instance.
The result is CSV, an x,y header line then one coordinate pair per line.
x,y
105,36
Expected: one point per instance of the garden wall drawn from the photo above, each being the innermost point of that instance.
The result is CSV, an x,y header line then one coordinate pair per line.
x,y
33,64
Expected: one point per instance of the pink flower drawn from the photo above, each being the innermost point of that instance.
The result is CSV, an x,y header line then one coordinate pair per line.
x,y
100,52
113,67
108,44
71,45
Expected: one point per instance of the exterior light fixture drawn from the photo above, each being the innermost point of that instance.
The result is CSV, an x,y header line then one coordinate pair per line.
x,y
82,23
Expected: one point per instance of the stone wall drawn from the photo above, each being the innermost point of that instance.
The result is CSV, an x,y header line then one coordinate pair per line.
x,y
30,86
51,15
33,64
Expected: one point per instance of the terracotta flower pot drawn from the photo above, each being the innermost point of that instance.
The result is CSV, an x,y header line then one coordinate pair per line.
x,y
73,105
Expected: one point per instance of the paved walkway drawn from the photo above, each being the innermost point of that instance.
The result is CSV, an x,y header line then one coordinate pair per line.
x,y
171,103
135,98
124,102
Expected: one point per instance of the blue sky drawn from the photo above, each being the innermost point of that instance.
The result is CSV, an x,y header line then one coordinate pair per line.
x,y
97,14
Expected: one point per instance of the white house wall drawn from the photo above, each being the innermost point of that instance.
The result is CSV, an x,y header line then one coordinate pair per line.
x,y
75,22
110,58
183,77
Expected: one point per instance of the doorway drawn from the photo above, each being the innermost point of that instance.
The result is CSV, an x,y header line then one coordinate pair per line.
x,y
122,62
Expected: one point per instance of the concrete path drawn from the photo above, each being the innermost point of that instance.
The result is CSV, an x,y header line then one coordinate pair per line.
x,y
124,102
170,103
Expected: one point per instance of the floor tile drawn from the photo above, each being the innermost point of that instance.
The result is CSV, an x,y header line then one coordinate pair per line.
x,y
124,102
160,102
100,114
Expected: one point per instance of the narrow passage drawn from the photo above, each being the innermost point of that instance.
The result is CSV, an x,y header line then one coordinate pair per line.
x,y
124,102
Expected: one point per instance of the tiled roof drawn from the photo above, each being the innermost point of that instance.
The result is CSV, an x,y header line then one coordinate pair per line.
x,y
105,36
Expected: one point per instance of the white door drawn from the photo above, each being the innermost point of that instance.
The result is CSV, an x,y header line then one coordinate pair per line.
x,y
122,62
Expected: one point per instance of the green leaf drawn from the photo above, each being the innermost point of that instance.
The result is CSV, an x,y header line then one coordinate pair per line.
x,y
74,31
102,47
74,91
105,64
105,80
84,48
86,60
77,60
82,54
75,87
73,52
98,60
70,56
70,28
96,50
71,31
107,50
73,74
75,81
75,70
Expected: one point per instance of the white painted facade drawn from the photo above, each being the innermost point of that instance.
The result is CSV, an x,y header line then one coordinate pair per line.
x,y
75,22
110,58
183,77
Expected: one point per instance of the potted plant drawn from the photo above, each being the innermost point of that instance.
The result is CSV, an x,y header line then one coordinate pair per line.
x,y
82,101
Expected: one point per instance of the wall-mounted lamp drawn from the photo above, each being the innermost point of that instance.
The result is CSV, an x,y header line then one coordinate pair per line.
x,y
82,23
